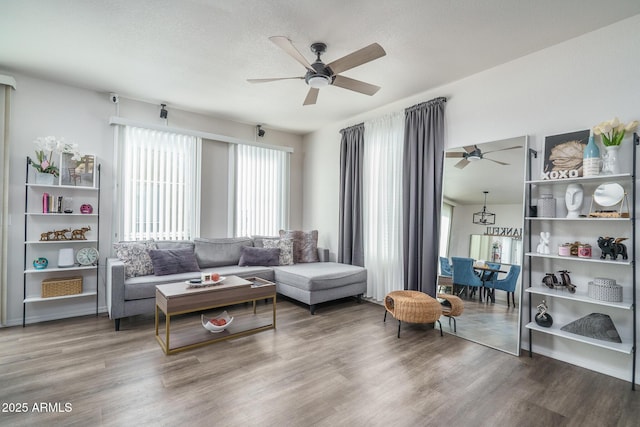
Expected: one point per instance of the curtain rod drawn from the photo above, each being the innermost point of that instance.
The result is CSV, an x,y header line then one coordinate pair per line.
x,y
120,121
439,100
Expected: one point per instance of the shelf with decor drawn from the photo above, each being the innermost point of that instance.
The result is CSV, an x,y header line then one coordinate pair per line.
x,y
578,259
58,269
61,297
597,207
624,347
59,242
581,296
62,223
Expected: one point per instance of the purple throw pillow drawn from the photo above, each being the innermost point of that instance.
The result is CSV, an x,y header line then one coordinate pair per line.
x,y
173,261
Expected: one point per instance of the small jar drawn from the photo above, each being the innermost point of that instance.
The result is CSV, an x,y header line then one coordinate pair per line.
x,y
564,250
574,248
584,251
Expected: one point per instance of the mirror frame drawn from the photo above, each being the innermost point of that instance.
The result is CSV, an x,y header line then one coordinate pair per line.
x,y
525,238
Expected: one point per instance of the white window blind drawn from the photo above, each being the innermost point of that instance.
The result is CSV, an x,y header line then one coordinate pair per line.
x,y
160,184
262,190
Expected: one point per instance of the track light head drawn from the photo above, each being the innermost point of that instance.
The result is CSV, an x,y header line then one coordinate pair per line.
x,y
261,132
163,113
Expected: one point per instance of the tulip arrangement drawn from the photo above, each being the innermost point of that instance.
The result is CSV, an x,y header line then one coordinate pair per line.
x,y
51,145
612,131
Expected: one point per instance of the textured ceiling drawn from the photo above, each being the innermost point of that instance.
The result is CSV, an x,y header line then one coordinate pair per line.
x,y
197,54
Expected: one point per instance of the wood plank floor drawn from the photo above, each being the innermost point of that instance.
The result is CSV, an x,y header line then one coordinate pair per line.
x,y
343,366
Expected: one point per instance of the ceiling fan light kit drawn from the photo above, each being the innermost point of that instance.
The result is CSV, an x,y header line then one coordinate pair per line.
x,y
472,153
318,81
321,75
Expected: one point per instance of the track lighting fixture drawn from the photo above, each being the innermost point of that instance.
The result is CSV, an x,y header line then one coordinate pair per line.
x,y
163,113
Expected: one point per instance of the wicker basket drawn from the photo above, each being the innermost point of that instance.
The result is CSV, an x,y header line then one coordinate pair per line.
x,y
605,290
61,286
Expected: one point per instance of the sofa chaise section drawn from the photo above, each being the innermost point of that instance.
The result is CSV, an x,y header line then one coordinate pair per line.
x,y
314,283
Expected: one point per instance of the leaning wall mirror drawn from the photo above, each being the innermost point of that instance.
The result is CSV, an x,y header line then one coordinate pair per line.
x,y
486,177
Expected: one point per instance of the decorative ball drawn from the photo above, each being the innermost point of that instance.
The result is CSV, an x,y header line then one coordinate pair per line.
x,y
86,208
40,263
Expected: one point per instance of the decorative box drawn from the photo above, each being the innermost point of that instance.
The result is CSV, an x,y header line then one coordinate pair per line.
x,y
604,289
61,286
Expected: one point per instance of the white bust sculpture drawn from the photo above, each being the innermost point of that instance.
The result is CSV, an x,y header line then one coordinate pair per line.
x,y
573,198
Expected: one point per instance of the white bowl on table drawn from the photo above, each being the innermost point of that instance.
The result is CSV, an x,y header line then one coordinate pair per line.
x,y
215,328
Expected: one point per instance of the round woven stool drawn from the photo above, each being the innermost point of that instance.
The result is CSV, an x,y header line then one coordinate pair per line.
x,y
412,307
452,308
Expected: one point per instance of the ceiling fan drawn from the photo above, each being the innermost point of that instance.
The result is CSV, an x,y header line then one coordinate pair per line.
x,y
473,153
320,74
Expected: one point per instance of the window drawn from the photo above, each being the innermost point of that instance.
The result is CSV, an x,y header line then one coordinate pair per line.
x,y
445,228
262,190
160,185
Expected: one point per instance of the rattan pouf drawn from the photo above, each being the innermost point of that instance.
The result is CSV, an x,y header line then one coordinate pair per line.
x,y
454,308
412,307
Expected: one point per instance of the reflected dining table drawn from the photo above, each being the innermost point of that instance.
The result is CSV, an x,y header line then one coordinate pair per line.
x,y
486,275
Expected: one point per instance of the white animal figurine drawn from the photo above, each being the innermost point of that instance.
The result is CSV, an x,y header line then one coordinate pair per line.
x,y
543,246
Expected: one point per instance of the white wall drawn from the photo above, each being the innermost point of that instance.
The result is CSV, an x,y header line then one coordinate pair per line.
x,y
508,216
42,108
567,87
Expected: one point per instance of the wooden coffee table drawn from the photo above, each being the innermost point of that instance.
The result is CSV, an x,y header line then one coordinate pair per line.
x,y
177,298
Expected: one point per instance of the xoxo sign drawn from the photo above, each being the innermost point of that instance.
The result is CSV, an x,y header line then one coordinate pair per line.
x,y
561,174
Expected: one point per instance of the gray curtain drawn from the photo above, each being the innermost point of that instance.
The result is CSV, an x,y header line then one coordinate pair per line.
x,y
351,244
422,193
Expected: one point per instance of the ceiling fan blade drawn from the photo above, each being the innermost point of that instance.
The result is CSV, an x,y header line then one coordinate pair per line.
x,y
359,57
355,85
503,149
496,161
470,148
285,44
462,163
455,155
312,96
273,79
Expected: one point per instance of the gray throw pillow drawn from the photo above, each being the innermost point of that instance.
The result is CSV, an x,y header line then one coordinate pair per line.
x,y
285,246
259,256
219,252
173,261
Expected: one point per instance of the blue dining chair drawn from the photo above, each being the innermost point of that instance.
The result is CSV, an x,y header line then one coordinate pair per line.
x,y
488,277
508,284
445,267
464,275
445,278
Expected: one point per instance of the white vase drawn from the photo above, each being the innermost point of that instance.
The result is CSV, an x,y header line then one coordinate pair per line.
x,y
610,164
44,178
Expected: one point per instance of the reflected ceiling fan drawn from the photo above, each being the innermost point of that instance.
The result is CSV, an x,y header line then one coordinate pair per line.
x,y
320,74
473,153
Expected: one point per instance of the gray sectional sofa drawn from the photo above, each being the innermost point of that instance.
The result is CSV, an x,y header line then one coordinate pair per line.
x,y
131,287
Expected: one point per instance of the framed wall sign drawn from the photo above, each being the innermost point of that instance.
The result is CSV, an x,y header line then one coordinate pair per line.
x,y
78,173
563,155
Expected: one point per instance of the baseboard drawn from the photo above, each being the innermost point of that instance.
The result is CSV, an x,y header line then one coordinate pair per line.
x,y
57,316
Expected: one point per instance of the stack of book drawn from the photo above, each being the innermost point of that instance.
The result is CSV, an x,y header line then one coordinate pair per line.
x,y
51,204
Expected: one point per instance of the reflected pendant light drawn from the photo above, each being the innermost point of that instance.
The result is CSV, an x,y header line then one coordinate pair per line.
x,y
484,217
